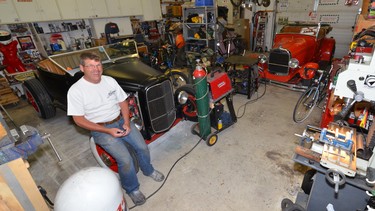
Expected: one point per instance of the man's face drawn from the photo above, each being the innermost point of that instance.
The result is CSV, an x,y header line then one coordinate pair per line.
x,y
92,70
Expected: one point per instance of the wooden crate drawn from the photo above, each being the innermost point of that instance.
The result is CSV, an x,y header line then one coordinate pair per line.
x,y
9,98
7,95
18,189
3,83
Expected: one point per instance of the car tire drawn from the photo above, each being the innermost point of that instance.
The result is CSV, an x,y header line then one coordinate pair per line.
x,y
105,160
308,181
38,97
189,110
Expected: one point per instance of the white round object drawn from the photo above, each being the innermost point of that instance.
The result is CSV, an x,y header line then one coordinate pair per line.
x,y
93,188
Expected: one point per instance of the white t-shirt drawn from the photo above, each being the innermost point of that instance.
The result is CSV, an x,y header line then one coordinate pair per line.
x,y
97,102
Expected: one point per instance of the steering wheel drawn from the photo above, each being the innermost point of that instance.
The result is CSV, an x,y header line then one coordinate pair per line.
x,y
335,177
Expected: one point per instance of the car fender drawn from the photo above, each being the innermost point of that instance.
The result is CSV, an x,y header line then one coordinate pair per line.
x,y
327,49
308,70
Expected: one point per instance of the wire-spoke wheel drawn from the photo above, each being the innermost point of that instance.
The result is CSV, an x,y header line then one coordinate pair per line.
x,y
305,104
178,79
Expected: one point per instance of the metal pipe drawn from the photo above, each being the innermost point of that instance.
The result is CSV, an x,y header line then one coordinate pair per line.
x,y
47,136
360,144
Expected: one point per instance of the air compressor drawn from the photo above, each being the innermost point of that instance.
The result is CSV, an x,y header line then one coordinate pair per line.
x,y
210,89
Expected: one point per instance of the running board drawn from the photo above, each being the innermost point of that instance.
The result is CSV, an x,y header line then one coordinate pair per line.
x,y
293,87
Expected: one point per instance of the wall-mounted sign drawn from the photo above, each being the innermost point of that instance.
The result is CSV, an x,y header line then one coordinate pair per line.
x,y
329,18
26,42
328,2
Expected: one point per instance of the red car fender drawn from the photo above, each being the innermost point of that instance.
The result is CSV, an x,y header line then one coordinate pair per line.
x,y
327,49
261,69
308,70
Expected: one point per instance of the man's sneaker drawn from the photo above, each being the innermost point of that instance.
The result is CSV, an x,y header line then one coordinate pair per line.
x,y
137,197
157,176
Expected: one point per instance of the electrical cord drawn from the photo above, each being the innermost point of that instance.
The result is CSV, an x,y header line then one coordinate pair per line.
x,y
170,170
251,101
174,164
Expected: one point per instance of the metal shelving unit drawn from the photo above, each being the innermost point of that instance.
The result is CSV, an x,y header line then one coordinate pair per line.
x,y
201,32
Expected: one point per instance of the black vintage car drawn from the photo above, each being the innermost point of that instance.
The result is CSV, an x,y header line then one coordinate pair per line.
x,y
151,92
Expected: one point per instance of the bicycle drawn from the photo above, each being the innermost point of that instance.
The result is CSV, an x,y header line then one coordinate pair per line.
x,y
229,43
312,97
177,77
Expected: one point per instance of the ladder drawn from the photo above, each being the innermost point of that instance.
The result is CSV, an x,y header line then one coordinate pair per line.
x,y
260,33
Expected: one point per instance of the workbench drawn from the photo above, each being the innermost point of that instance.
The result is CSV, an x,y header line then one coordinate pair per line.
x,y
244,81
351,196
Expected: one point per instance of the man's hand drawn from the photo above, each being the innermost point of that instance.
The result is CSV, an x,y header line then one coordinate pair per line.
x,y
116,132
127,129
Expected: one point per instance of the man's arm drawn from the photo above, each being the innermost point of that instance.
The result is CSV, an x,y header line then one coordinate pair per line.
x,y
124,105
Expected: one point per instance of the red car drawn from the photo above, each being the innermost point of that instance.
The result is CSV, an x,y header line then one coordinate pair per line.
x,y
298,51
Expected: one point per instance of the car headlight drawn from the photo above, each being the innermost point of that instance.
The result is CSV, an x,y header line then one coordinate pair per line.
x,y
262,58
293,63
137,122
182,97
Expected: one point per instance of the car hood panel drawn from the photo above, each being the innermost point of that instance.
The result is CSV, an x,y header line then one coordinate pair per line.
x,y
298,45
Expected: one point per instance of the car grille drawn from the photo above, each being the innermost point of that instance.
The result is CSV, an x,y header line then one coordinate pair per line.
x,y
160,104
278,61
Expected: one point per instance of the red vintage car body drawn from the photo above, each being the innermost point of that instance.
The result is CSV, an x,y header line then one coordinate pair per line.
x,y
306,43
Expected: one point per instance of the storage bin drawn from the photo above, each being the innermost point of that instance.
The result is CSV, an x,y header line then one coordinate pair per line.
x,y
204,2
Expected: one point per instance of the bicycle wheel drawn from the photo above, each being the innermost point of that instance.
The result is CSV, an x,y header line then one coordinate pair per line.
x,y
322,90
305,104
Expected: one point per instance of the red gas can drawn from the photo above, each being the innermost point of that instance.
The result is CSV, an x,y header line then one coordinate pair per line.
x,y
220,85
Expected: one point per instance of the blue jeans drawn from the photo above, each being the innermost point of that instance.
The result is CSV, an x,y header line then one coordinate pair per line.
x,y
117,149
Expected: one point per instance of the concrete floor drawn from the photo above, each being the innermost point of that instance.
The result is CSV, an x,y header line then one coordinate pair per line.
x,y
249,168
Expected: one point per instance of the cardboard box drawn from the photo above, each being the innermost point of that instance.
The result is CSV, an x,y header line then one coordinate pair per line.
x,y
99,42
142,49
363,23
174,11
